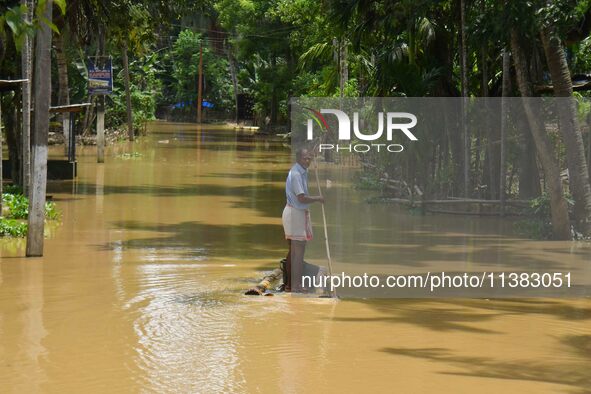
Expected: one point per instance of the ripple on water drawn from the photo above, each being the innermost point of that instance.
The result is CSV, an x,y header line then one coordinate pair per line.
x,y
186,339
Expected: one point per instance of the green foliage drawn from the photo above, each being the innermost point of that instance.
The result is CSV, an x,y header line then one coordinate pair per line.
x,y
145,88
581,62
20,27
18,206
539,224
12,189
369,181
184,63
534,228
12,228
51,211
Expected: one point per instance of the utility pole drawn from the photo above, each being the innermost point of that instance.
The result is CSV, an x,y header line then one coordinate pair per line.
x,y
39,151
200,83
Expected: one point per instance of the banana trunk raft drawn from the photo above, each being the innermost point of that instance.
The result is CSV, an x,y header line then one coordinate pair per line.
x,y
277,276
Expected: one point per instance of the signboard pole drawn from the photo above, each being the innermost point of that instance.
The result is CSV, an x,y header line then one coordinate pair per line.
x,y
66,126
100,130
100,82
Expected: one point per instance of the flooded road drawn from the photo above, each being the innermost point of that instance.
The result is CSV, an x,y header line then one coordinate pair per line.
x,y
140,290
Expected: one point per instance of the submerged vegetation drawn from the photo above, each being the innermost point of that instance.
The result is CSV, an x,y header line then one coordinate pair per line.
x,y
16,211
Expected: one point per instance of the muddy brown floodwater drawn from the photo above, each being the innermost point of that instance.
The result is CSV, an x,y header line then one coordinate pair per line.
x,y
140,290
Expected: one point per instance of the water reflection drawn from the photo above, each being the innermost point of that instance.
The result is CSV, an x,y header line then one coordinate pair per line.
x,y
22,355
140,288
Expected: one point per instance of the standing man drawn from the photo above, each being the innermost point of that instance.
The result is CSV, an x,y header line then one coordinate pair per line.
x,y
296,218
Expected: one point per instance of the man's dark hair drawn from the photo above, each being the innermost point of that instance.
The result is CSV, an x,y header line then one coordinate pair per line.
x,y
300,152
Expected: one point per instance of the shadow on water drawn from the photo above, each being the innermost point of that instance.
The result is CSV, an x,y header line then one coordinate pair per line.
x,y
262,198
238,241
576,373
441,315
439,320
261,175
579,344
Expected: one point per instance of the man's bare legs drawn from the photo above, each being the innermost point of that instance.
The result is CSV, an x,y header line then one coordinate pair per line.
x,y
295,265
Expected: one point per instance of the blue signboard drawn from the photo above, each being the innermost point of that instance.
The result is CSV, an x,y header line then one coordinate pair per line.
x,y
100,75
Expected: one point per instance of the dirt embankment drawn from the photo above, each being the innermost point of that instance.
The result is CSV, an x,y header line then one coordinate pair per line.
x,y
111,136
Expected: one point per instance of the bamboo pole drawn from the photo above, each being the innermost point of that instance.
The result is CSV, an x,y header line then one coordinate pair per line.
x,y
334,293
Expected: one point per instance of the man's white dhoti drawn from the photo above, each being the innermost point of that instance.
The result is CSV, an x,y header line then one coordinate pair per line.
x,y
296,224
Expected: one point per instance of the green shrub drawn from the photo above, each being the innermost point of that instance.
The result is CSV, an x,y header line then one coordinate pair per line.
x,y
12,189
51,211
12,228
18,207
539,224
17,204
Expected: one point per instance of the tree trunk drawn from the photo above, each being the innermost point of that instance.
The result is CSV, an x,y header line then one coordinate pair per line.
x,y
464,78
1,148
487,164
274,100
26,64
569,130
558,207
39,151
589,144
63,97
529,176
13,135
233,75
127,90
504,114
344,67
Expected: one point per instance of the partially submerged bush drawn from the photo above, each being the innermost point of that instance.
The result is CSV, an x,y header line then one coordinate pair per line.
x,y
539,224
17,210
51,211
17,204
12,228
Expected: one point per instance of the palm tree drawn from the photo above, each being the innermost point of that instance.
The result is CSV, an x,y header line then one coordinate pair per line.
x,y
569,129
558,206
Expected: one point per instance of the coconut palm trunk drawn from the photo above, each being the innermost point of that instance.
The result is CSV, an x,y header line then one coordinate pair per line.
x,y
569,129
546,154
